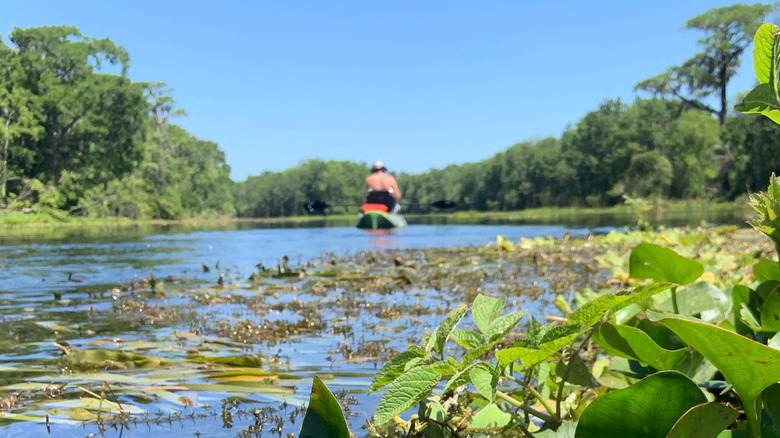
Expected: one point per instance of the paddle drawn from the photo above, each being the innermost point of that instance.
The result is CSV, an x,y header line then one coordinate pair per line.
x,y
319,207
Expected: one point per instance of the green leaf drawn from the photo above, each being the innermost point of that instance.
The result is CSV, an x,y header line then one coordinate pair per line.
x,y
444,367
394,368
530,357
485,310
774,77
770,420
647,409
750,317
770,312
579,374
766,270
405,392
592,312
491,416
484,376
442,333
95,358
739,295
431,409
749,366
759,100
704,421
633,343
241,361
462,377
763,41
662,264
700,298
467,338
324,418
500,327
566,429
473,354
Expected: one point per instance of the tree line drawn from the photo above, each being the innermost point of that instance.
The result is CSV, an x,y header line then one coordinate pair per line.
x,y
78,136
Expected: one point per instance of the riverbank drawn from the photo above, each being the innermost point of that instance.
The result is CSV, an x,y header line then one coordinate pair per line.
x,y
627,215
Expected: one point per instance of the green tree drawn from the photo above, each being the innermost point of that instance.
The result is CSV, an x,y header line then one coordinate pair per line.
x,y
728,31
18,119
92,122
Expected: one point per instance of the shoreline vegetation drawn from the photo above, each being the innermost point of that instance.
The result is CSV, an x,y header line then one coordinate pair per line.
x,y
657,209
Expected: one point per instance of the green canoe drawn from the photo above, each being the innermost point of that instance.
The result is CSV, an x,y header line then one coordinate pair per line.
x,y
379,220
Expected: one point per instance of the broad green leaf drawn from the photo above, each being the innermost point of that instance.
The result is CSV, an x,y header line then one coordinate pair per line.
x,y
431,409
770,420
759,100
766,270
484,376
661,335
467,338
763,41
442,333
647,409
770,312
700,298
405,392
485,310
633,343
773,115
324,418
592,312
662,264
530,357
579,374
393,369
704,421
749,366
491,416
500,327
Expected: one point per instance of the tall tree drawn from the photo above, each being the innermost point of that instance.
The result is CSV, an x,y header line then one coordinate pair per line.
x,y
84,113
728,31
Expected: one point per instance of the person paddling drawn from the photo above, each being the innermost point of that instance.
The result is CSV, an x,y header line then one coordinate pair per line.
x,y
381,188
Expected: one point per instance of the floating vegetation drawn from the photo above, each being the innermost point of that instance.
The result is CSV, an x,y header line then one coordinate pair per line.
x,y
219,348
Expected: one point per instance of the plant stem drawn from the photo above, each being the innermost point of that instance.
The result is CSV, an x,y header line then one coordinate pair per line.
x,y
675,307
752,412
556,418
568,369
530,410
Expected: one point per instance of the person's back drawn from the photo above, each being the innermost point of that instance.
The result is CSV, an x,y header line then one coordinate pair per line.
x,y
381,187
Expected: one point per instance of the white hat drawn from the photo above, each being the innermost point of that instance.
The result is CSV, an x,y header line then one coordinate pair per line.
x,y
378,166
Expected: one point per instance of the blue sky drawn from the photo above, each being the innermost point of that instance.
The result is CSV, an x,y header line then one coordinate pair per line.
x,y
416,84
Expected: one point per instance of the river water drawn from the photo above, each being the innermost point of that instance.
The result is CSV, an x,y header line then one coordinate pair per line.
x,y
89,290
